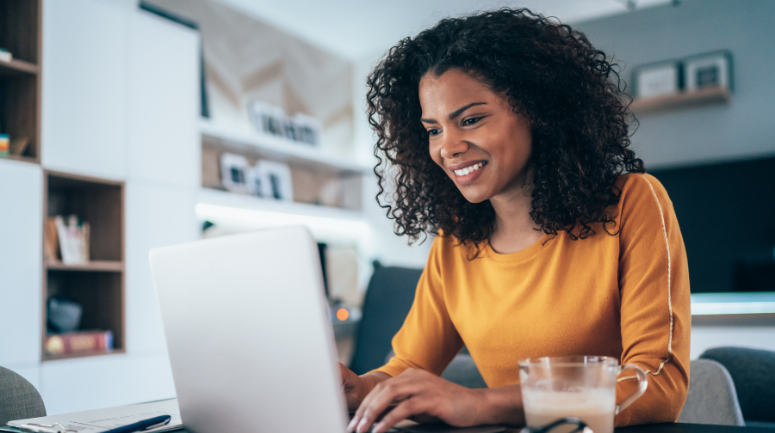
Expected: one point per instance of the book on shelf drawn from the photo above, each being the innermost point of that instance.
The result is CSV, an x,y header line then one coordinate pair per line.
x,y
73,343
73,236
4,145
51,249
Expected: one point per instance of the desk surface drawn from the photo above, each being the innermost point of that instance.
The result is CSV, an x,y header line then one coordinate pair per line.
x,y
681,428
691,428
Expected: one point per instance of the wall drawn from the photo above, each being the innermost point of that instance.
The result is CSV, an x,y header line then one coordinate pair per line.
x,y
247,59
680,138
712,133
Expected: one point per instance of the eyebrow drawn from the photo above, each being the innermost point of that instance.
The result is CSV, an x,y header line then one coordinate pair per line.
x,y
455,113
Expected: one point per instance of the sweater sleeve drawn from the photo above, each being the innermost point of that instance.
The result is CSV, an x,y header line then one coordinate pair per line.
x,y
655,303
428,339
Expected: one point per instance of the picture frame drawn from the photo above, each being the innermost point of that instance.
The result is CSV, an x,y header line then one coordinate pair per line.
x,y
274,179
658,79
236,174
713,69
268,119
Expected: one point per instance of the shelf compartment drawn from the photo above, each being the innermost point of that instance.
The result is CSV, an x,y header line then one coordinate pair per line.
x,y
314,181
99,285
18,107
684,99
97,201
100,294
95,266
20,28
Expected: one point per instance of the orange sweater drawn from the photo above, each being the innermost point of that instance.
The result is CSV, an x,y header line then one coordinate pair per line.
x,y
624,295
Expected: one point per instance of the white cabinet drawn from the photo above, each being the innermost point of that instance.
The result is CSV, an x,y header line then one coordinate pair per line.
x,y
156,216
164,101
21,220
93,383
84,110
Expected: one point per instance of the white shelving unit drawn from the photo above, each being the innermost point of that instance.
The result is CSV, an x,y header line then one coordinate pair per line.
x,y
279,149
311,167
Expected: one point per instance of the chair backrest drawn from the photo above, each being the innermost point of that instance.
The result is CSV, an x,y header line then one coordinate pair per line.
x,y
388,301
712,398
18,398
753,371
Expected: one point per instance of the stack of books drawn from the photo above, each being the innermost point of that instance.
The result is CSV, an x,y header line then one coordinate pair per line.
x,y
67,239
81,342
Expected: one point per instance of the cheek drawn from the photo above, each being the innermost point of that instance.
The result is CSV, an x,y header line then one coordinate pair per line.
x,y
435,153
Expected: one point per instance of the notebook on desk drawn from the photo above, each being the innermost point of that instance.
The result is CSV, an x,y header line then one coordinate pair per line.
x,y
100,420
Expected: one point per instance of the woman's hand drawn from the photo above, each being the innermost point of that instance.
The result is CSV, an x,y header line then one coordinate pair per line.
x,y
419,395
356,388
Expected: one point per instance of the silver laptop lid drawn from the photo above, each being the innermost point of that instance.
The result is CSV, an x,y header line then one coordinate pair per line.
x,y
249,333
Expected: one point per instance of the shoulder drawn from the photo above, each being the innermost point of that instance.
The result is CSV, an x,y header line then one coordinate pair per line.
x,y
643,200
638,189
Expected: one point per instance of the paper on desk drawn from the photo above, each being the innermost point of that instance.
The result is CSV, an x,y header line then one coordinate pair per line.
x,y
96,421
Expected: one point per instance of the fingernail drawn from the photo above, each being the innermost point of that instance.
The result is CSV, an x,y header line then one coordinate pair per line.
x,y
362,425
378,428
351,426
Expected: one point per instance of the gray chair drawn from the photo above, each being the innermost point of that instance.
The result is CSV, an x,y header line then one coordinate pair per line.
x,y
752,372
712,398
18,398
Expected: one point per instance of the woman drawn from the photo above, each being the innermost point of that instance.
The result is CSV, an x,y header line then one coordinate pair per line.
x,y
508,139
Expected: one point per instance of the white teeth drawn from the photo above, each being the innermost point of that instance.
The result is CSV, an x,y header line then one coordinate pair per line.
x,y
468,170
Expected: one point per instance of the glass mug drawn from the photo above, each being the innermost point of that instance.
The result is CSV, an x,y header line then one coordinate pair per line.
x,y
574,386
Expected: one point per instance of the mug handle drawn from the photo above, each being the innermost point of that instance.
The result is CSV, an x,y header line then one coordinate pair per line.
x,y
642,385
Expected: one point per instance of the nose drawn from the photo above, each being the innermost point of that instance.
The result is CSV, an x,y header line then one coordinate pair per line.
x,y
453,145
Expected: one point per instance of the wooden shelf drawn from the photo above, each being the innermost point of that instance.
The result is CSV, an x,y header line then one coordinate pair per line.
x,y
18,66
30,159
684,99
47,357
93,266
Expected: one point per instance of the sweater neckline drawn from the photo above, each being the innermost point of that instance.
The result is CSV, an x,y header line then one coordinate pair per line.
x,y
540,245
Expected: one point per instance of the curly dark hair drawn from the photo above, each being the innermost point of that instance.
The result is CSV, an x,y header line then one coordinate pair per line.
x,y
569,91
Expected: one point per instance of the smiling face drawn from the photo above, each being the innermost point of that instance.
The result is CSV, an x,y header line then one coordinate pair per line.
x,y
474,135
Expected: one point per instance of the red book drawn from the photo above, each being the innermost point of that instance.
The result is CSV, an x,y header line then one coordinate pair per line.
x,y
79,342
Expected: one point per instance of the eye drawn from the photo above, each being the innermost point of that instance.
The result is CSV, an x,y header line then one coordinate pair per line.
x,y
472,120
432,132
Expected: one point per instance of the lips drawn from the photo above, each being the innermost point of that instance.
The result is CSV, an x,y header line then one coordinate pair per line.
x,y
468,172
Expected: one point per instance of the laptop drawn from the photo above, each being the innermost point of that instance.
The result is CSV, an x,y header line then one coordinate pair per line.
x,y
249,333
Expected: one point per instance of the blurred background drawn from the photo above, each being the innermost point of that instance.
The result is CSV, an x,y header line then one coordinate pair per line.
x,y
127,125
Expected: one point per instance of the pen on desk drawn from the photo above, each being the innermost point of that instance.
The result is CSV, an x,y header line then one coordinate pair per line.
x,y
147,424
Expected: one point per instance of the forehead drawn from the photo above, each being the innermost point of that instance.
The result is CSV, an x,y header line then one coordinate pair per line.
x,y
450,91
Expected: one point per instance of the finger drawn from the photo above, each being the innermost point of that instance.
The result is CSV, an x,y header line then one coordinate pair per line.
x,y
407,408
381,398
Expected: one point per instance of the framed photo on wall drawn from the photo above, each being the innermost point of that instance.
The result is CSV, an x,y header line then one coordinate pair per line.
x,y
658,79
708,70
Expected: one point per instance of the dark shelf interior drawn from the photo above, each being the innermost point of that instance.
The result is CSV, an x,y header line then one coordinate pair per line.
x,y
19,31
19,79
99,204
98,286
100,295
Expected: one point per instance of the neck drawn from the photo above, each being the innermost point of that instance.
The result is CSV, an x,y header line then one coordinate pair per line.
x,y
514,228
